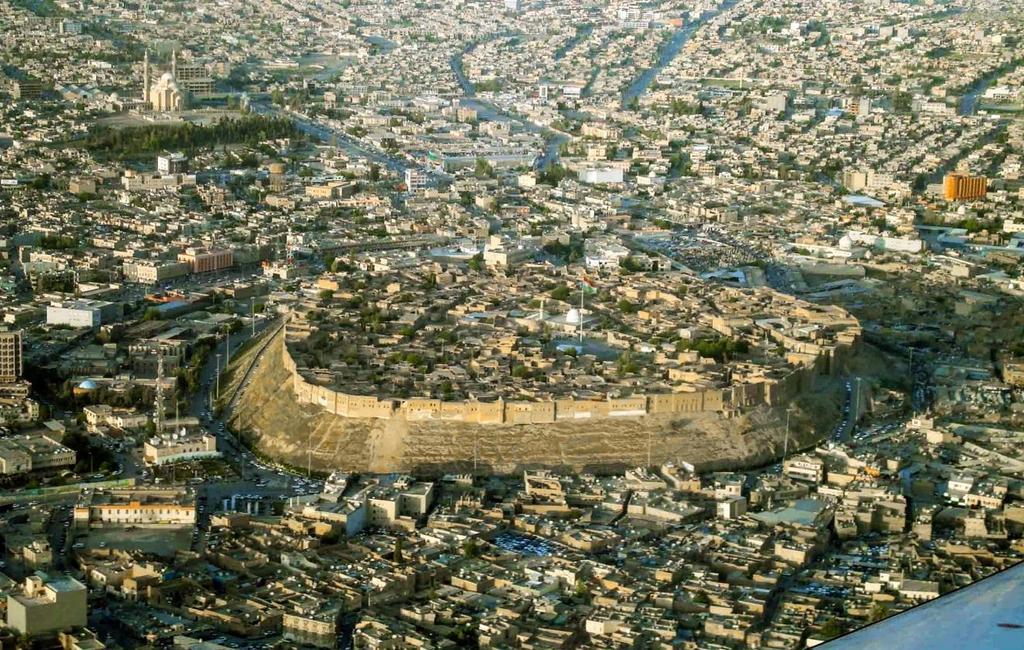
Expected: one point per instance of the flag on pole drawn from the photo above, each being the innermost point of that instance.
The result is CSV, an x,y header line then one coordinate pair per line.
x,y
587,285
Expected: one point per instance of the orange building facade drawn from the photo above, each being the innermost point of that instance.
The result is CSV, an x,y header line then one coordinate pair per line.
x,y
964,187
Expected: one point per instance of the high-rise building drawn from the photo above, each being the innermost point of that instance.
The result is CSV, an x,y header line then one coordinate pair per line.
x,y
964,187
194,77
26,88
14,392
854,181
10,356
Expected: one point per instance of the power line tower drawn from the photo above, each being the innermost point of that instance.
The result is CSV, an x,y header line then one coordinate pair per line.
x,y
159,392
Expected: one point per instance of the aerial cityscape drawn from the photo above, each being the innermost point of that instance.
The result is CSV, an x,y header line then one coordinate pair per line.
x,y
389,324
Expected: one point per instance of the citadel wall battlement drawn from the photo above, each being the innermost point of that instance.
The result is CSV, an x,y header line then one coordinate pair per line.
x,y
810,361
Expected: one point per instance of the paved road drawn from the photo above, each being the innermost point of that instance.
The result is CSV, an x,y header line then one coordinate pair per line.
x,y
340,138
218,423
489,111
256,478
669,53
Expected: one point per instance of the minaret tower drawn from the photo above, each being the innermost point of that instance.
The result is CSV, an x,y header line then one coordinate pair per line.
x,y
174,63
145,78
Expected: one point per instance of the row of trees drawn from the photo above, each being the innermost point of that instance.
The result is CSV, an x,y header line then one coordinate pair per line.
x,y
719,349
249,130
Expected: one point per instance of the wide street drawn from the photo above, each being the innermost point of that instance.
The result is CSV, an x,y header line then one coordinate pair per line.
x,y
257,480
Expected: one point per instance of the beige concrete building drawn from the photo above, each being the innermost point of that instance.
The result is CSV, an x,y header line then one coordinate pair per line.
x,y
47,606
312,622
33,451
10,356
150,508
178,447
202,260
153,271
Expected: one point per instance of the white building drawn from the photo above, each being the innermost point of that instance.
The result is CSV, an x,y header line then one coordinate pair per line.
x,y
172,163
731,508
604,254
415,181
804,468
601,175
82,313
179,447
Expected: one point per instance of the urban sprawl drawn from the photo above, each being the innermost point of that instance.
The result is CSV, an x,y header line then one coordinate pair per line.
x,y
505,323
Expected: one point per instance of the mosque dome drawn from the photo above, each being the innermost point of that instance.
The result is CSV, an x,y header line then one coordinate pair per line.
x,y
573,316
88,384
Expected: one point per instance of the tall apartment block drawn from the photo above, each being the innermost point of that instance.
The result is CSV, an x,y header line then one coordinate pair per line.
x,y
964,187
10,356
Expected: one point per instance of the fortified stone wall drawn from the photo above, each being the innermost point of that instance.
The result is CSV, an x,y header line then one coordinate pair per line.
x,y
810,359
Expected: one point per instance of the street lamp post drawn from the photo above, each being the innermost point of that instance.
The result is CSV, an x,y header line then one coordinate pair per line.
x,y
785,447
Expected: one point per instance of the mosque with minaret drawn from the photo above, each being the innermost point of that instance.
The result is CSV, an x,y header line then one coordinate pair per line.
x,y
164,95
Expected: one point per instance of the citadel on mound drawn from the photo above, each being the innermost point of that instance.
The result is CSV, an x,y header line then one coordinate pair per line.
x,y
543,345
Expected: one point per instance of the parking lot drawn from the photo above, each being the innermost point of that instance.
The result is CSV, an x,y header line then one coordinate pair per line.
x,y
164,542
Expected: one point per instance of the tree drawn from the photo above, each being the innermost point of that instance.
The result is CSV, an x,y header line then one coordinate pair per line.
x,y
470,548
476,263
553,175
879,612
250,130
483,169
581,591
902,102
151,314
720,348
626,364
560,293
831,629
